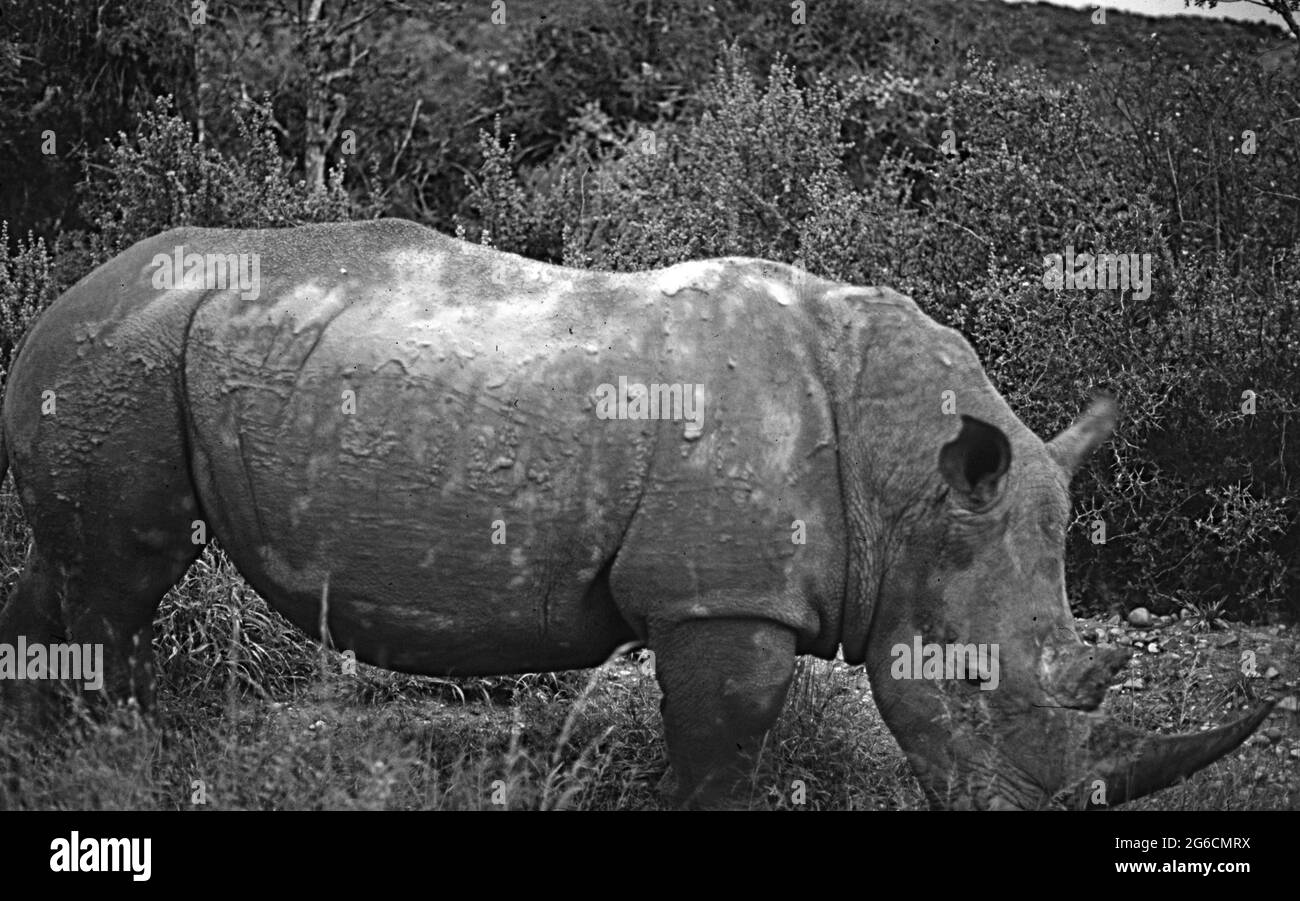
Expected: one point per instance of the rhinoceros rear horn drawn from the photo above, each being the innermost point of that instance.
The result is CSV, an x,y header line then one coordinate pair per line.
x,y
1070,448
1132,763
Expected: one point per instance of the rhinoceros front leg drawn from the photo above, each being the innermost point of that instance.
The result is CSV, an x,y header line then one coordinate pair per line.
x,y
724,682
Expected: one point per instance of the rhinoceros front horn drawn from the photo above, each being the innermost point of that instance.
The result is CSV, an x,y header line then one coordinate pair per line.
x,y
1131,763
1070,448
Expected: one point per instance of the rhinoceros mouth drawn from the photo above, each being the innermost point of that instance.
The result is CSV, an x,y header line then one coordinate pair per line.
x,y
985,780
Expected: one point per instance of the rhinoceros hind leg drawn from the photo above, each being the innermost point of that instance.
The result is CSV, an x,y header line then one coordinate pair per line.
x,y
724,683
100,596
33,614
116,608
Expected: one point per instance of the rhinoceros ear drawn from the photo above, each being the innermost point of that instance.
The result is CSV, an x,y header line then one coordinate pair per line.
x,y
974,462
1070,448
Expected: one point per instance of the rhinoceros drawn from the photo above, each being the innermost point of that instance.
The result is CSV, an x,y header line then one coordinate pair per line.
x,y
460,461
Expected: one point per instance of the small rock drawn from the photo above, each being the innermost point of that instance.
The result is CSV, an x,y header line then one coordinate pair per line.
x,y
1274,734
1227,641
1291,703
1116,631
1140,617
1124,640
1135,683
1295,752
1271,673
1113,620
1153,648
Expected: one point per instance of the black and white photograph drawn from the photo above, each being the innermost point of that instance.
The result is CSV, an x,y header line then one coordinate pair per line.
x,y
859,406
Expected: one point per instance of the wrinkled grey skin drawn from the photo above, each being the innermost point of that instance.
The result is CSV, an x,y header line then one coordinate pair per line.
x,y
474,375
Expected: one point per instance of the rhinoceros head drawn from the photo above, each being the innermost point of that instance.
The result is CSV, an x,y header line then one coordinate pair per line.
x,y
974,658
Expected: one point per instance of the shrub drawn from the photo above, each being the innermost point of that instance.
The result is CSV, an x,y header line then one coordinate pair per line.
x,y
163,177
27,286
738,177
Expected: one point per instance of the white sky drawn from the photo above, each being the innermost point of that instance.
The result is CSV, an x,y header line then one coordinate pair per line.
x,y
1238,10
